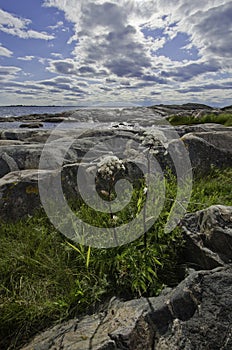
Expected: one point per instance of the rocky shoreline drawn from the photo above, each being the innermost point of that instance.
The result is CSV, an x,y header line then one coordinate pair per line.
x,y
20,149
118,114
194,315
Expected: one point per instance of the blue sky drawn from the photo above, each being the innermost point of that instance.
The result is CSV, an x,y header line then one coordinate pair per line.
x,y
83,52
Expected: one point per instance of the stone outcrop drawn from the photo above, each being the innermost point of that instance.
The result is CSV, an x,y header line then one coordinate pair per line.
x,y
24,156
19,190
97,115
20,150
194,315
207,149
19,194
31,125
188,109
201,128
208,234
120,114
227,109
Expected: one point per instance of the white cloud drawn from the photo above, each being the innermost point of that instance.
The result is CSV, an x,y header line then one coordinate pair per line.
x,y
212,31
110,35
116,42
42,60
57,25
26,58
107,42
16,26
56,54
8,72
5,52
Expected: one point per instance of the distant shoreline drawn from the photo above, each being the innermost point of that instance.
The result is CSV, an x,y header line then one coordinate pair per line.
x,y
115,106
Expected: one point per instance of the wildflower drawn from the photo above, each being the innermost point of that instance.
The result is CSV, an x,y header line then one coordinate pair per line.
x,y
145,190
166,153
109,165
115,218
154,138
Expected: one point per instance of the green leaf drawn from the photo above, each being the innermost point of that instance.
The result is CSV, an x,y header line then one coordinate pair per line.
x,y
74,247
157,261
88,257
149,269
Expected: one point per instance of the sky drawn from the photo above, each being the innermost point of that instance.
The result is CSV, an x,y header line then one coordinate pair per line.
x,y
108,52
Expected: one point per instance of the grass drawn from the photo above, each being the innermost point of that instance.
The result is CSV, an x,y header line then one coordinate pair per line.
x,y
222,118
213,189
44,278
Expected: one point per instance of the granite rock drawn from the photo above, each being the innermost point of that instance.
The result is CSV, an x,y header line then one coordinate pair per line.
x,y
208,235
197,314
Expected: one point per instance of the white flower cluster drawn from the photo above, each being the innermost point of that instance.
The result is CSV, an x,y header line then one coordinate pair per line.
x,y
153,137
109,165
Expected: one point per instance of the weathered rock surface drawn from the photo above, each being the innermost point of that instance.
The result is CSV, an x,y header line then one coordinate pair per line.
x,y
197,314
221,139
143,115
24,135
227,109
208,234
19,157
184,109
41,135
209,327
119,114
31,125
209,149
19,194
201,128
133,115
19,190
23,156
207,146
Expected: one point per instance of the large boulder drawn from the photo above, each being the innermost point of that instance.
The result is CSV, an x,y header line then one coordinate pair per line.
x,y
221,138
27,156
209,326
20,195
19,157
207,150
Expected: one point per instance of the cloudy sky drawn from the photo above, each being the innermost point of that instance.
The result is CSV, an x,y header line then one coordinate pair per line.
x,y
89,52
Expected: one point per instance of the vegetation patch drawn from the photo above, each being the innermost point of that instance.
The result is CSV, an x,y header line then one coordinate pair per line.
x,y
44,278
222,118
